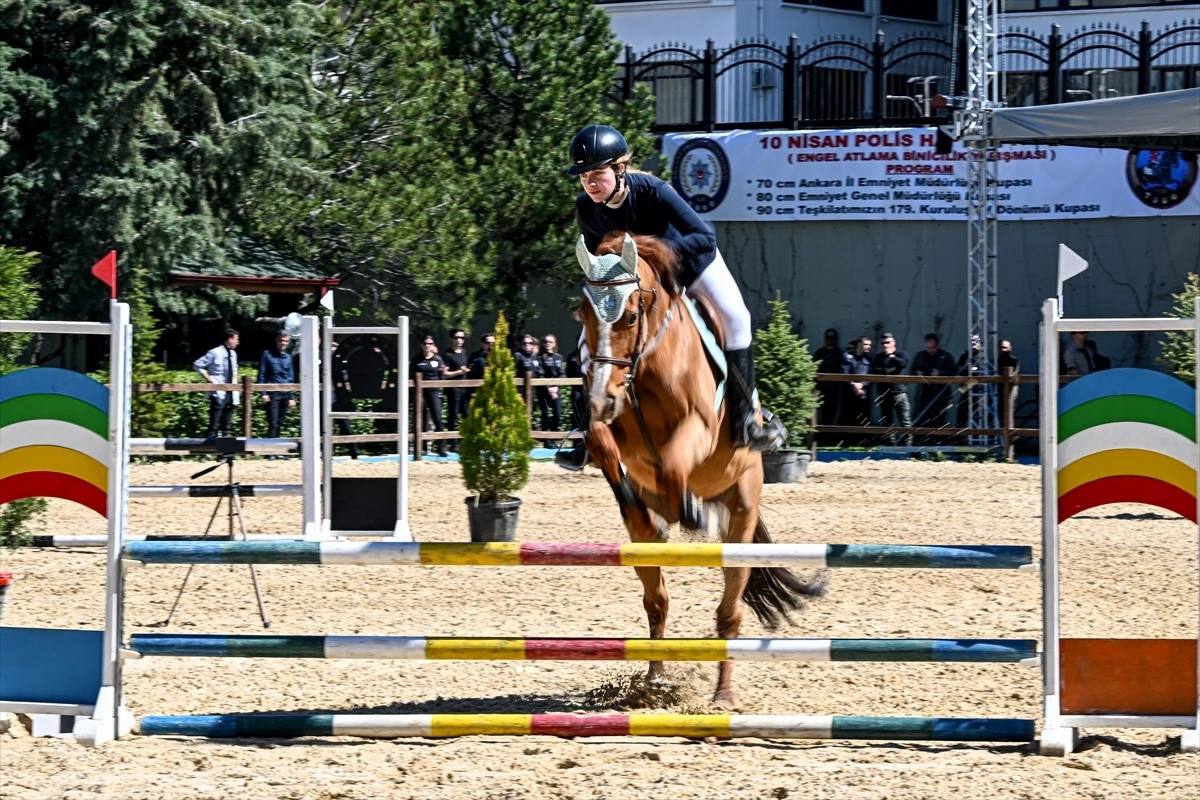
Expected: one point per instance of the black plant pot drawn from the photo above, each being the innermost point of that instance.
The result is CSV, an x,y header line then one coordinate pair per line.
x,y
785,466
493,522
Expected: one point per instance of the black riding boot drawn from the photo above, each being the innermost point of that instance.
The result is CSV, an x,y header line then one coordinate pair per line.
x,y
739,394
576,458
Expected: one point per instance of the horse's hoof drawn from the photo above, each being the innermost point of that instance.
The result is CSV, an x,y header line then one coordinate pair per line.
x,y
692,514
724,699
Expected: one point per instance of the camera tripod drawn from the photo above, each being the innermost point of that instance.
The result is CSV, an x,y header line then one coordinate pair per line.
x,y
234,513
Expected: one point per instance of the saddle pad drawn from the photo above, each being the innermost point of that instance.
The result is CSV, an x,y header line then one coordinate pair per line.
x,y
716,357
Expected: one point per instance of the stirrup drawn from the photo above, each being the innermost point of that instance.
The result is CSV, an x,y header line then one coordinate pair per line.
x,y
761,438
574,459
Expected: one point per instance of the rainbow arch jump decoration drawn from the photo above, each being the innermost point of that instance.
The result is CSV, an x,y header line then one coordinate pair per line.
x,y
65,435
54,437
1115,436
1127,436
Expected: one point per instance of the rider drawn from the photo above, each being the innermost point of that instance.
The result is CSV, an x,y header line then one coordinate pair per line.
x,y
615,198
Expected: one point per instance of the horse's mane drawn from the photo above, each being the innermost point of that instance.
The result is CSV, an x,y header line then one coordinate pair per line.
x,y
656,252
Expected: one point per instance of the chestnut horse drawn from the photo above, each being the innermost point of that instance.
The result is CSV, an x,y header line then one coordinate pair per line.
x,y
660,441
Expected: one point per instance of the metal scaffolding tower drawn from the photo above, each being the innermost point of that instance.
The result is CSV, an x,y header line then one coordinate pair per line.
x,y
975,126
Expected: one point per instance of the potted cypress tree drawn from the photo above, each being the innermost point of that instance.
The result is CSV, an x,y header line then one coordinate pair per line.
x,y
495,446
786,386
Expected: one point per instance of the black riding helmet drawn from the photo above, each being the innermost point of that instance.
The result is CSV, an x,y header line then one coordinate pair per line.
x,y
595,146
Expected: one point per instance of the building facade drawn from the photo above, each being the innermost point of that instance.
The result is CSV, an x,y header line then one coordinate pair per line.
x,y
722,64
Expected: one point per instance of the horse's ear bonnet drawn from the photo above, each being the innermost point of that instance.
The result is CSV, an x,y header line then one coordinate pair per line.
x,y
609,301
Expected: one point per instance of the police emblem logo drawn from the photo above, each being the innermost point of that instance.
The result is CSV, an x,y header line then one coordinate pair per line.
x,y
700,173
1160,178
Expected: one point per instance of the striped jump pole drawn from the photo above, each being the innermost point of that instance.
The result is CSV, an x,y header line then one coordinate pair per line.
x,y
222,490
693,726
419,648
222,445
532,554
100,540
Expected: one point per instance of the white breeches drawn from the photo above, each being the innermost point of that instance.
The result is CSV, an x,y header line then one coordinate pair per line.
x,y
717,286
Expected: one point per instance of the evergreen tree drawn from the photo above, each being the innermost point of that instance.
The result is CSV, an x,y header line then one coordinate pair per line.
x,y
540,70
135,126
785,372
384,205
495,433
449,122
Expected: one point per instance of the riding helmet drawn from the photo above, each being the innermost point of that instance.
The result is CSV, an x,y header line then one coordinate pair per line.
x,y
595,146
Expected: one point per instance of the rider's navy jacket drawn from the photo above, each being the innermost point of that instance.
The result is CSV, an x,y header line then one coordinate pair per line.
x,y
652,208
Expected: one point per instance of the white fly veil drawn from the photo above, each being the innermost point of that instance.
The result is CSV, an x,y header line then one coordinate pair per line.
x,y
608,301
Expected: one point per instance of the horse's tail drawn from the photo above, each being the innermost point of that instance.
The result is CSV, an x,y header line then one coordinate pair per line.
x,y
774,592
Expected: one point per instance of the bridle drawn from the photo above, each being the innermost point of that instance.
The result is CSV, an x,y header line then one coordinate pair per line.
x,y
641,349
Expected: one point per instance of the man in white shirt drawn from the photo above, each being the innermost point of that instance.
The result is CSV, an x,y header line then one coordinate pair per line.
x,y
219,365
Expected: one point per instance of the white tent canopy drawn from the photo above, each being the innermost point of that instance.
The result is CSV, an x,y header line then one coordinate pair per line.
x,y
1162,121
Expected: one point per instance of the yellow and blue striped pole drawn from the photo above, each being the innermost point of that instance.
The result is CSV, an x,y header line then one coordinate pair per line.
x,y
1011,651
526,554
723,726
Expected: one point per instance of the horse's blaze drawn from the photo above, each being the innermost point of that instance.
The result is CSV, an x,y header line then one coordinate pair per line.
x,y
607,395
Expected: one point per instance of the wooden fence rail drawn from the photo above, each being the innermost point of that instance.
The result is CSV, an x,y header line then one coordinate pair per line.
x,y
1007,431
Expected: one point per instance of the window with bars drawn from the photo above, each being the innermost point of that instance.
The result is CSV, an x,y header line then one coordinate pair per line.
x,y
830,93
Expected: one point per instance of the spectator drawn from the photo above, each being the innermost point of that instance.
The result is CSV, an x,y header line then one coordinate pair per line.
x,y
479,358
891,398
858,399
526,359
220,365
1007,359
457,367
574,369
276,366
1099,361
1076,359
431,366
933,401
549,397
831,359
527,363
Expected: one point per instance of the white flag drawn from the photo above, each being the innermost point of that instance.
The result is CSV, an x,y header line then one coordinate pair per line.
x,y
1070,264
327,300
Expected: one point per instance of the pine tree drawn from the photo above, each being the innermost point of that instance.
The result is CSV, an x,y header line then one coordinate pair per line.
x,y
385,203
495,434
136,126
449,122
785,372
540,70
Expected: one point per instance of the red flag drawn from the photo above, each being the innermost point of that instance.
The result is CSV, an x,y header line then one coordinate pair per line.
x,y
106,270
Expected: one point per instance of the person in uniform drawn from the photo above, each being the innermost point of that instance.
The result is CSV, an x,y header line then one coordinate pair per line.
x,y
430,366
549,398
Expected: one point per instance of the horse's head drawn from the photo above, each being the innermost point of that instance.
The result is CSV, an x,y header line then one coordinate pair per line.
x,y
625,313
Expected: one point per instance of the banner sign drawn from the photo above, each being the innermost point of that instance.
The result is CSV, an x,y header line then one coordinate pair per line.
x,y
896,174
